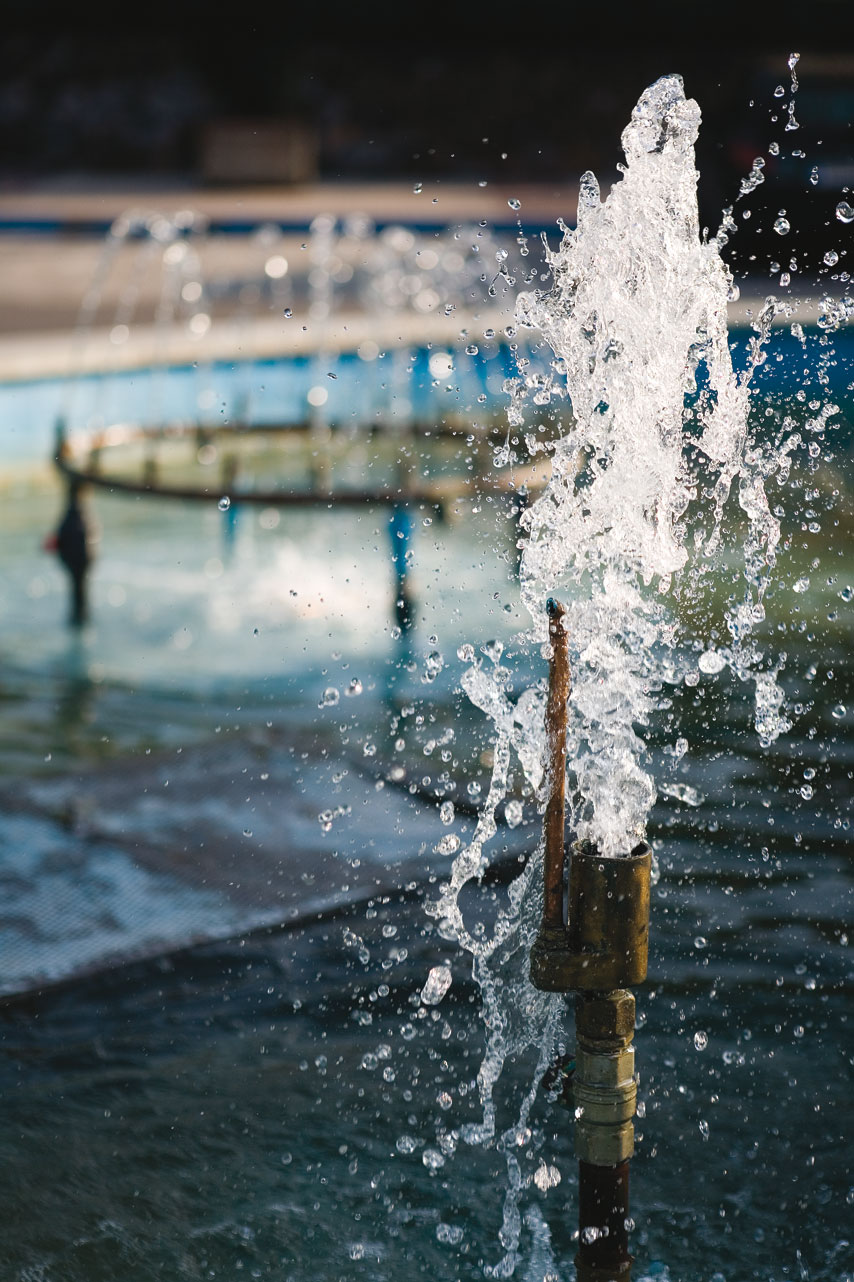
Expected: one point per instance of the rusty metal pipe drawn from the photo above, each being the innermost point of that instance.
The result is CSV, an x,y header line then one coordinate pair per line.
x,y
555,781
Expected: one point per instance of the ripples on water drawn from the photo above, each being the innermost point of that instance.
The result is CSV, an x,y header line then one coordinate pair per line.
x,y
279,1102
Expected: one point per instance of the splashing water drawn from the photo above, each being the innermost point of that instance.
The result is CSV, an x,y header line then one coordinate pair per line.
x,y
633,514
622,522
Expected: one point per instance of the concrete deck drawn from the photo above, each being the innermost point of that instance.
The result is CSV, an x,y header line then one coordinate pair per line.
x,y
437,204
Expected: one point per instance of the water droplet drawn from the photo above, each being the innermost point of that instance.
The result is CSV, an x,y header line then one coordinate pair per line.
x,y
839,711
472,349
438,983
806,791
418,188
546,1177
357,1251
800,586
779,92
432,1159
355,687
329,698
288,312
513,813
846,593
224,503
446,812
433,665
447,845
514,203
845,212
406,1144
449,1233
711,662
704,1129
701,1040
782,226
831,258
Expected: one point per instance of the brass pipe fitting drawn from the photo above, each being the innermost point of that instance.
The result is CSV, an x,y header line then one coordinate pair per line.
x,y
604,1087
605,943
604,1145
606,1021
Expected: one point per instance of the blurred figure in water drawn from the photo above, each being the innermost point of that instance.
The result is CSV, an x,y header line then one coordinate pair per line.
x,y
73,545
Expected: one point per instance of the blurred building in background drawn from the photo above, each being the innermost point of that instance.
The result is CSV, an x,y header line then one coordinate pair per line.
x,y
190,98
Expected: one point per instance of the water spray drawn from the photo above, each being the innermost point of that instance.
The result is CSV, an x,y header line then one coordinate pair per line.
x,y
598,950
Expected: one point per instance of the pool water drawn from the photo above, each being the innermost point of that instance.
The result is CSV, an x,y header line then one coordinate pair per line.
x,y
220,830
401,383
395,384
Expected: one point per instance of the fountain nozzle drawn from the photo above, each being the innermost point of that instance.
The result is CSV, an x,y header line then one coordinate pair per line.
x,y
598,949
602,943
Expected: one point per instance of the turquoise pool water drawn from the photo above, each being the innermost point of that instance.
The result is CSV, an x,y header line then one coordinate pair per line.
x,y
398,384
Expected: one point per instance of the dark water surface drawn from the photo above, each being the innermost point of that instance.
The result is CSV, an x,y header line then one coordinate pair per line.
x,y
275,1101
